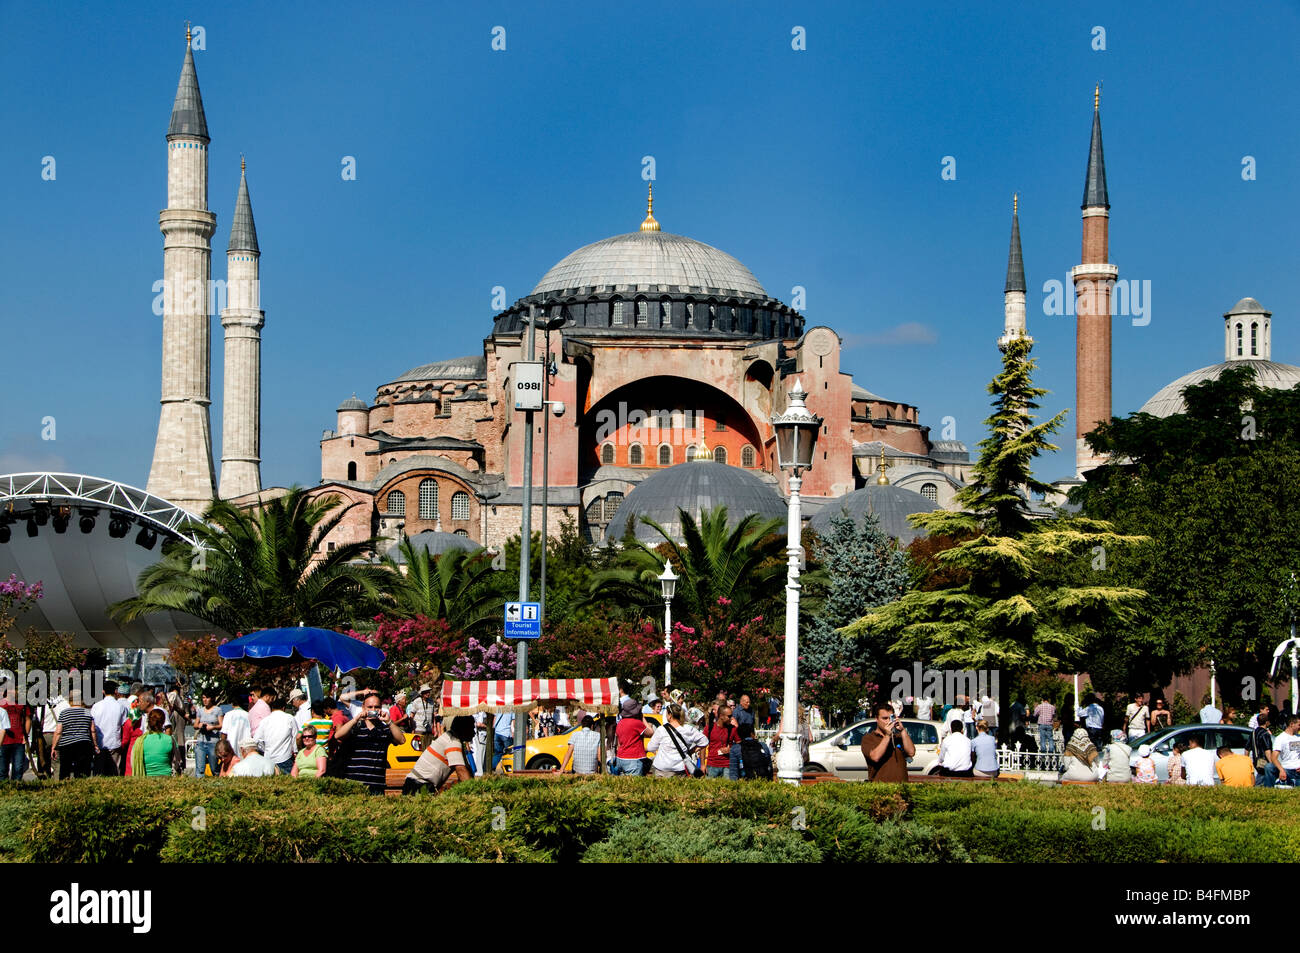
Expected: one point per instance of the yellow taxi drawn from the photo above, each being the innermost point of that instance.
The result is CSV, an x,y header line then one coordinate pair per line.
x,y
547,754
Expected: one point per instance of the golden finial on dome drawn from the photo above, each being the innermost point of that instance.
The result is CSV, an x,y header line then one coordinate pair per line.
x,y
702,453
188,34
650,225
881,467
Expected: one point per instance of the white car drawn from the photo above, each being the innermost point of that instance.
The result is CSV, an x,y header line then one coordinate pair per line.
x,y
1212,736
840,754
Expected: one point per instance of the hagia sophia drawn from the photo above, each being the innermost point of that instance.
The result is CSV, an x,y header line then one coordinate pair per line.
x,y
669,358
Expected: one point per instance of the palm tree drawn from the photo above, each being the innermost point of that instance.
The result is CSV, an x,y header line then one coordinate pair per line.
x,y
459,585
256,570
744,563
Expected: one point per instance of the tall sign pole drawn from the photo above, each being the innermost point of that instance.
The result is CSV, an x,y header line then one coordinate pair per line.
x,y
525,547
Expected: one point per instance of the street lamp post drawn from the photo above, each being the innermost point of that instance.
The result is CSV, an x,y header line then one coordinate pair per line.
x,y
668,582
796,438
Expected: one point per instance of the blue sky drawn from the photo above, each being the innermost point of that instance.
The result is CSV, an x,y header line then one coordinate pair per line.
x,y
475,168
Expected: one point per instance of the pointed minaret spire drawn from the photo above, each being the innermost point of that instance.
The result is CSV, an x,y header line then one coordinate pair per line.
x,y
187,110
243,233
1015,259
1013,295
650,225
1094,186
1093,279
242,319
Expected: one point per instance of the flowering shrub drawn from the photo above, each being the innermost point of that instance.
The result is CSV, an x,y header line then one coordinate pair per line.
x,y
16,597
204,669
595,648
719,654
480,661
839,691
418,650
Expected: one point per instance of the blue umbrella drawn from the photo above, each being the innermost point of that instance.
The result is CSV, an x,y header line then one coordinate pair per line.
x,y
337,652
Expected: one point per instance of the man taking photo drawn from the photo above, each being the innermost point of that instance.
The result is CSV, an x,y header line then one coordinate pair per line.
x,y
887,746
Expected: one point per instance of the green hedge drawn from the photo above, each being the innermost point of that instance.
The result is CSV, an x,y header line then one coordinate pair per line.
x,y
635,820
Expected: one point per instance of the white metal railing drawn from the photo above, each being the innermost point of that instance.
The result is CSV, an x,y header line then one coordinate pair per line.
x,y
1014,759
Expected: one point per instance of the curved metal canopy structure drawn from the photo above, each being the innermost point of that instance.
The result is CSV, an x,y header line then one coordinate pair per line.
x,y
86,539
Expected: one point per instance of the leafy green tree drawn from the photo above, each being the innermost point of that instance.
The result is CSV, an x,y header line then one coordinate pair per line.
x,y
459,586
744,564
256,570
1011,611
862,569
1217,491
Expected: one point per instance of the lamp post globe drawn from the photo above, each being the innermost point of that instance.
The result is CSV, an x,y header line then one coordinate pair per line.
x,y
668,584
796,440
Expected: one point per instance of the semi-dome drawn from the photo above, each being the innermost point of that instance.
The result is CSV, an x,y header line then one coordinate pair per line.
x,y
891,505
1169,399
695,487
435,543
651,261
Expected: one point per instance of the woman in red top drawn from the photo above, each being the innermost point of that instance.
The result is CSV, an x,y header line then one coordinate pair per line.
x,y
722,735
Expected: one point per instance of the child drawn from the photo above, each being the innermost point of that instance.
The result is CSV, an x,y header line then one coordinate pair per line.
x,y
1145,773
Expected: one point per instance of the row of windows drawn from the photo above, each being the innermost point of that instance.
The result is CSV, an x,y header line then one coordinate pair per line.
x,y
428,499
1254,339
636,455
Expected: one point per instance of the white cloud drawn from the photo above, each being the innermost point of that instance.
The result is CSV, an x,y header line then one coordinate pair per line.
x,y
909,332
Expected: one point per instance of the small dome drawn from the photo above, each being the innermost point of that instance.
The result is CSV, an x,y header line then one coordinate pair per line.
x,y
695,487
435,543
471,368
890,504
1169,399
647,261
1247,306
353,403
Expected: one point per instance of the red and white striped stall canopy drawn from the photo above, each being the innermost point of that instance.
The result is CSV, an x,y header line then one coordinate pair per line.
x,y
522,695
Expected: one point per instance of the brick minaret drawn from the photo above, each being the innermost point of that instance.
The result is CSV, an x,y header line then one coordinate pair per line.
x,y
1093,280
1013,294
242,320
182,456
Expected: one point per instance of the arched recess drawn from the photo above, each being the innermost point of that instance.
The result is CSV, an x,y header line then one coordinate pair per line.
x,y
671,411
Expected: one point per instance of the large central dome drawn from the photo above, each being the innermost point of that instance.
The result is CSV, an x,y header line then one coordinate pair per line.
x,y
651,261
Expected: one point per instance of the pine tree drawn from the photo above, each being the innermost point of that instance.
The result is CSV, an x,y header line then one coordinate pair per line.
x,y
1009,613
863,569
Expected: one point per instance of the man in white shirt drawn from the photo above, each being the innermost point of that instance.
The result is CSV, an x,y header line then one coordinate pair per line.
x,y
1286,752
252,764
276,733
1211,715
235,726
1136,717
302,711
925,708
989,710
109,714
1198,763
955,753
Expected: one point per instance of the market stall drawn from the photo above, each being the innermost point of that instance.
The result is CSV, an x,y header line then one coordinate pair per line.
x,y
520,696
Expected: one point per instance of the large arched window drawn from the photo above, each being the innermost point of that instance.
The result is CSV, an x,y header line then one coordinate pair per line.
x,y
428,500
930,492
1254,339
617,315
642,313
747,456
607,454
612,502
1239,334
665,314
634,455
719,454
665,455
352,469
460,505
396,505
690,453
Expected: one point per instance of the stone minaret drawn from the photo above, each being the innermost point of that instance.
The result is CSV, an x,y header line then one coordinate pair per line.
x,y
182,456
242,320
1093,280
1013,297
